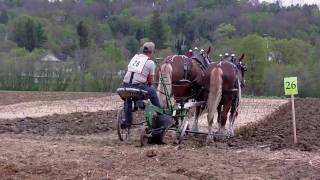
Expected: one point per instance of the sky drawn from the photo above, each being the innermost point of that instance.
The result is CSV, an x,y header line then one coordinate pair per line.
x,y
289,2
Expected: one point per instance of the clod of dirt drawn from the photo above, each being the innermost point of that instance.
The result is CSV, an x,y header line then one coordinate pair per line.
x,y
151,153
178,147
8,169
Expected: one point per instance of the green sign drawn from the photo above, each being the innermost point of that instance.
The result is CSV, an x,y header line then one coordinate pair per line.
x,y
290,85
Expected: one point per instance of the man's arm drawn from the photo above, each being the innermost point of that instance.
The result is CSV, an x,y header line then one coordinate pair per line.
x,y
150,79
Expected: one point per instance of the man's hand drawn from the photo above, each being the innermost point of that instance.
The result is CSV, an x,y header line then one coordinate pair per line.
x,y
150,79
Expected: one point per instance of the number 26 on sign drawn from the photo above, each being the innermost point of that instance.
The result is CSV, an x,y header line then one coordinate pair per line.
x,y
291,88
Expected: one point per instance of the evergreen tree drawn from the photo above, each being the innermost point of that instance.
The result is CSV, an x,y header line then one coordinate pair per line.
x,y
139,34
4,17
30,35
12,3
83,34
41,37
157,31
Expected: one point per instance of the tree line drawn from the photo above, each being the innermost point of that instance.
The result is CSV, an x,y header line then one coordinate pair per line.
x,y
94,39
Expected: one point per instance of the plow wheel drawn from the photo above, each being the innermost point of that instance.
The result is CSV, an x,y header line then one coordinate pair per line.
x,y
123,134
182,129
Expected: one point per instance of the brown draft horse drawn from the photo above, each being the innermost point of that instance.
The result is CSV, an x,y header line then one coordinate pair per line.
x,y
224,83
180,88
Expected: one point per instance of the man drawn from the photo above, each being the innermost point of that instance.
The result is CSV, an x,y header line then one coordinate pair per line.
x,y
189,54
233,59
140,74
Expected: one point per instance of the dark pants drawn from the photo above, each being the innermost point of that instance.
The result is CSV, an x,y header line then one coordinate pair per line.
x,y
152,93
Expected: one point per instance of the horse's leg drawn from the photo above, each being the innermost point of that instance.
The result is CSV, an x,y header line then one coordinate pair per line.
x,y
219,115
234,109
224,117
210,134
199,110
233,115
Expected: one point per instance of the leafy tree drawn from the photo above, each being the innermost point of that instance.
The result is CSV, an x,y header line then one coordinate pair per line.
x,y
157,31
139,34
132,45
83,35
114,54
120,24
254,48
100,33
63,40
13,3
224,31
213,3
29,33
292,51
178,22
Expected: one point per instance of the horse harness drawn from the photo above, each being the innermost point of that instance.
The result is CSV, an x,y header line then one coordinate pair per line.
x,y
187,65
186,81
235,86
203,65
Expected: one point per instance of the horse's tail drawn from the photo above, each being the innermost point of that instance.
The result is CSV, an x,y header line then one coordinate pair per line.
x,y
166,74
215,92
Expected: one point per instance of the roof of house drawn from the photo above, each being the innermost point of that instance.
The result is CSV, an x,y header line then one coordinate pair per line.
x,y
50,58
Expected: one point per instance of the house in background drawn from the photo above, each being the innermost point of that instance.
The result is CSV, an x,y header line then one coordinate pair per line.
x,y
50,67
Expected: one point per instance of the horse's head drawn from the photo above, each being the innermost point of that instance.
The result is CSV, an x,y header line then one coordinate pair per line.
x,y
202,56
241,68
206,54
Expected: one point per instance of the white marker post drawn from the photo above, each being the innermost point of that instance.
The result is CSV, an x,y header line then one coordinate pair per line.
x,y
291,88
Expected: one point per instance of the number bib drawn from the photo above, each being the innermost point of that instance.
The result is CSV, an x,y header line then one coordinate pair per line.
x,y
137,63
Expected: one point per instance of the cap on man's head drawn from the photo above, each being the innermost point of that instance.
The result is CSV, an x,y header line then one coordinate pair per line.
x,y
232,55
148,47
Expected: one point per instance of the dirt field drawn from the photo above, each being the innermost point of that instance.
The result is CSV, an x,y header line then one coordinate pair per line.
x,y
13,97
84,145
30,104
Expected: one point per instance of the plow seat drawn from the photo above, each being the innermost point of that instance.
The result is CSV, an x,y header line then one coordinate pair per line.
x,y
134,94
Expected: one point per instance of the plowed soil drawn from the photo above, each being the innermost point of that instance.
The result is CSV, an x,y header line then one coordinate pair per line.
x,y
276,130
85,146
83,123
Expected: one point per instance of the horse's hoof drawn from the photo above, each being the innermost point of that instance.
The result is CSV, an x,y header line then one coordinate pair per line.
x,y
209,139
231,134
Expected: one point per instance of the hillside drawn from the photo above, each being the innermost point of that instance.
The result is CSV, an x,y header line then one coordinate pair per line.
x,y
92,40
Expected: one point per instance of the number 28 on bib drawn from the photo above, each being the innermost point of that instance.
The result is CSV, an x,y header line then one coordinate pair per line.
x,y
137,63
